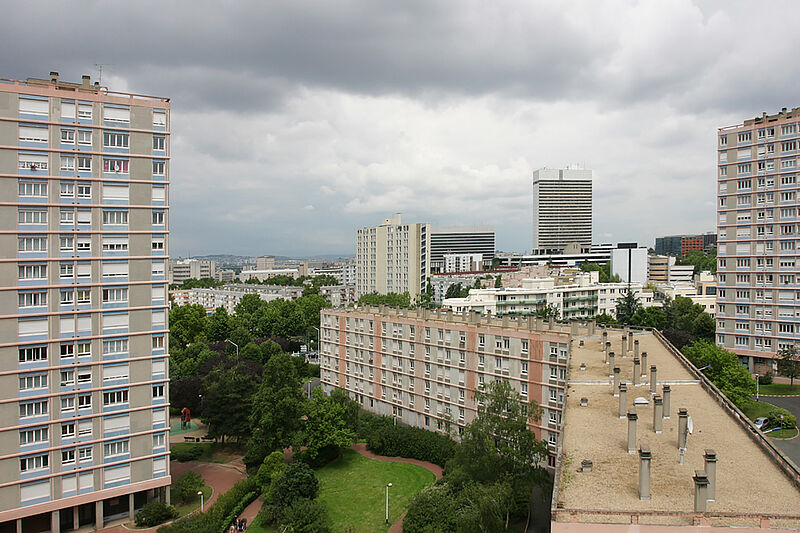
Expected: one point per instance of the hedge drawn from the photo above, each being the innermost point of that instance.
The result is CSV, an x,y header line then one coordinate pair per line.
x,y
187,454
415,443
154,513
237,510
211,521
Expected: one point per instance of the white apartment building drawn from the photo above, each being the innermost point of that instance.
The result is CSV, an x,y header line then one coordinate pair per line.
x,y
758,295
228,296
392,257
84,179
582,299
261,275
562,209
463,262
183,269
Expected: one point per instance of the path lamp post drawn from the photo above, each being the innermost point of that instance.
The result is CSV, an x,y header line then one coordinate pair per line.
x,y
387,503
236,345
200,493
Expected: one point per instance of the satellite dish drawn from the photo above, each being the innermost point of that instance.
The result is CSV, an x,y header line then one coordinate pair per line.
x,y
690,425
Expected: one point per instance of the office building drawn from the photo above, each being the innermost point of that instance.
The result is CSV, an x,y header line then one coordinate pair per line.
x,y
182,269
84,178
423,367
758,271
461,241
392,257
680,245
629,262
266,262
666,452
562,209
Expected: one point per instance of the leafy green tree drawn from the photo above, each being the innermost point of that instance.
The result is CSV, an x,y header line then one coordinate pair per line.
x,y
704,327
484,508
309,308
219,325
277,408
700,260
251,352
604,272
306,516
351,407
456,291
272,466
650,317
187,323
789,363
325,426
296,481
391,299
227,401
547,312
241,337
269,349
605,318
498,282
281,318
186,487
434,510
627,307
723,369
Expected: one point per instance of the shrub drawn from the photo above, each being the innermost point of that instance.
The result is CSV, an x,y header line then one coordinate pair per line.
x,y
155,513
190,453
237,510
324,456
185,488
273,464
308,516
296,481
781,418
766,379
211,521
416,443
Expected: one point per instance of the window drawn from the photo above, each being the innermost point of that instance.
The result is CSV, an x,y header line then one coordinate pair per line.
x,y
66,244
158,218
115,244
35,216
84,163
744,137
32,382
67,136
158,440
37,408
116,114
84,191
158,143
119,218
84,401
159,168
158,391
84,454
32,244
67,162
115,295
66,270
31,436
115,140
159,118
68,430
85,137
67,190
34,106
524,367
85,111
788,129
68,457
158,342
84,349
37,462
33,162
33,188
30,355
32,271
67,378
115,346
32,299
67,404
115,397
84,375
119,166
83,244
158,244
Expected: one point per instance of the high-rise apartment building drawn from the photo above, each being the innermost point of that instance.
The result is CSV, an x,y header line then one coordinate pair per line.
x,y
758,295
461,240
84,174
680,245
183,269
562,209
392,257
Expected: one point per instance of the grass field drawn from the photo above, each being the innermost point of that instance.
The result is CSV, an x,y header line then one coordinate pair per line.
x,y
783,433
758,409
780,388
353,489
213,452
187,508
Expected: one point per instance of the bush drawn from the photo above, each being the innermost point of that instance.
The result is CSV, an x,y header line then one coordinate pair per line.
x,y
273,464
296,481
191,453
416,443
324,456
155,513
211,521
237,510
186,487
308,516
781,418
766,379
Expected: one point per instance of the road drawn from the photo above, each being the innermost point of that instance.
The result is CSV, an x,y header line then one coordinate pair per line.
x,y
790,447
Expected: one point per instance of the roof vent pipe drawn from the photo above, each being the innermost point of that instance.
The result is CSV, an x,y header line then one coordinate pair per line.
x,y
632,417
644,364
636,348
616,381
700,491
53,77
665,392
645,457
658,413
610,364
710,457
653,381
623,400
636,371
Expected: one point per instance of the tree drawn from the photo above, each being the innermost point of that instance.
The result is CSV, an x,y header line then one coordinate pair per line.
x,y
700,260
484,508
457,291
604,272
269,349
391,299
547,312
187,323
227,401
704,327
277,408
306,516
309,308
605,318
650,317
350,406
186,487
281,318
627,307
219,325
272,466
431,511
789,363
724,370
498,282
295,482
325,425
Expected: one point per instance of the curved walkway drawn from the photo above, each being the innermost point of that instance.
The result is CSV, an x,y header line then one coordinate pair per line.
x,y
361,448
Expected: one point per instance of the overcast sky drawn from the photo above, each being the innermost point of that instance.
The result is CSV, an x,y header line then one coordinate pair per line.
x,y
294,124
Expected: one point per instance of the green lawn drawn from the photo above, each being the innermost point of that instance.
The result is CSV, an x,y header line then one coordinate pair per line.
x,y
353,489
187,508
780,388
783,433
213,452
758,409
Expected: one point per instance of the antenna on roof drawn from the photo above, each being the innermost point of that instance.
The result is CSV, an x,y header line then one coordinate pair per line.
x,y
99,68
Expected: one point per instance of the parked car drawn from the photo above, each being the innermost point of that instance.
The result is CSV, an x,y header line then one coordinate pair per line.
x,y
761,422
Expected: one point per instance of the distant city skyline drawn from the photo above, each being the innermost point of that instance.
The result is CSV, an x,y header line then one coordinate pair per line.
x,y
319,119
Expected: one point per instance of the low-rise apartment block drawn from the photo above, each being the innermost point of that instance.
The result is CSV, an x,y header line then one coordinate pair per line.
x,y
183,269
228,296
423,367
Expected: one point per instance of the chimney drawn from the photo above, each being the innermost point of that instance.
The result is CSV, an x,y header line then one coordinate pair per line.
x,y
623,399
624,345
604,341
86,81
710,457
700,491
632,417
606,351
574,327
658,413
636,348
610,363
630,340
683,421
550,323
586,465
584,402
53,77
636,371
616,381
644,364
653,381
665,391
590,327
644,471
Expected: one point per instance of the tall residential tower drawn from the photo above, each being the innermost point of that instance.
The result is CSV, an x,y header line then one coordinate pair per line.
x,y
758,299
562,209
83,311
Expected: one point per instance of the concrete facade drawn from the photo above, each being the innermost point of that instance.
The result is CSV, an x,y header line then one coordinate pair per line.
x,y
84,175
562,209
183,269
460,241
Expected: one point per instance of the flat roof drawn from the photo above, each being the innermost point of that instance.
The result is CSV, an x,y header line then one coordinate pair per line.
x,y
749,480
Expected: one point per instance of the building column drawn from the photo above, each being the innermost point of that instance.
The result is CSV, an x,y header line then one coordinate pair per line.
x,y
166,495
55,522
98,515
19,525
130,506
751,365
75,518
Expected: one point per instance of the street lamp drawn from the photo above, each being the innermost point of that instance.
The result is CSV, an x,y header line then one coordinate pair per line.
x,y
387,503
316,328
200,493
237,346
